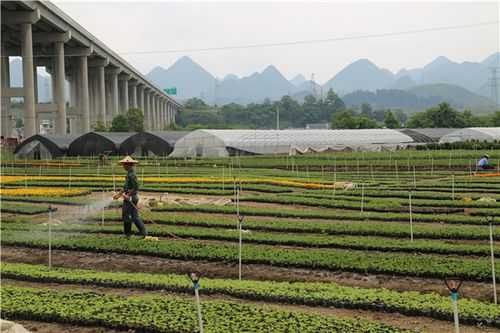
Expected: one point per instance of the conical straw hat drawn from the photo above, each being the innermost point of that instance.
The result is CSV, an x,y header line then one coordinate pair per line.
x,y
128,160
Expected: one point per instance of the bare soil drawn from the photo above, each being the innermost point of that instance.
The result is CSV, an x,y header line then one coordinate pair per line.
x,y
43,327
135,263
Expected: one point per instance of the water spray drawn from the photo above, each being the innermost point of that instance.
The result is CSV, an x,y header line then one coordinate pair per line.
x,y
453,285
195,278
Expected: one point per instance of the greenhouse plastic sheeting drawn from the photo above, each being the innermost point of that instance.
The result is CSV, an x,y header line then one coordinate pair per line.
x,y
221,143
472,133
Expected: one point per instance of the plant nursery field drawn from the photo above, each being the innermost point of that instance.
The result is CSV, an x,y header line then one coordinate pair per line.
x,y
335,242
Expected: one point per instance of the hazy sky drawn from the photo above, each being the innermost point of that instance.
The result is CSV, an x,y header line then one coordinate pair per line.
x,y
162,26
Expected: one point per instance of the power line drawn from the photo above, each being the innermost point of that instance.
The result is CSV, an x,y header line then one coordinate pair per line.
x,y
292,43
316,41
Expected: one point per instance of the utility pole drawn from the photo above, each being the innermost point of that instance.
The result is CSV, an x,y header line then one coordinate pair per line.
x,y
277,117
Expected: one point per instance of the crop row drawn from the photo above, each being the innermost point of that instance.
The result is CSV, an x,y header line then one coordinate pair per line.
x,y
75,201
17,208
381,192
421,265
166,314
312,294
281,239
329,215
43,191
386,205
167,187
397,230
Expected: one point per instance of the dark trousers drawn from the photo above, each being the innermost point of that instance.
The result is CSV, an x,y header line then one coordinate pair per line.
x,y
131,214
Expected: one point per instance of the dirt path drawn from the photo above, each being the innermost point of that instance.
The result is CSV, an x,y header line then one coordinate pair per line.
x,y
42,327
136,263
424,324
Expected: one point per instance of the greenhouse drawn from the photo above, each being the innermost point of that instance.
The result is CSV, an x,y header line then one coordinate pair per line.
x,y
96,143
220,143
160,143
39,147
427,135
472,134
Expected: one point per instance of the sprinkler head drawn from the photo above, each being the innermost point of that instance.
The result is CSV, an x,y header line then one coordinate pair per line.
x,y
453,284
194,276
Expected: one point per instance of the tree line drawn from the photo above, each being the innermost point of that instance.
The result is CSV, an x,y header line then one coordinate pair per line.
x,y
331,110
293,114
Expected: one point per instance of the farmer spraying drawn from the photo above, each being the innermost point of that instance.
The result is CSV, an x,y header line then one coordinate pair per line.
x,y
484,163
130,212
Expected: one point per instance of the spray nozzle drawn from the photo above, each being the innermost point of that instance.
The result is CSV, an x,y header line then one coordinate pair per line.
x,y
453,285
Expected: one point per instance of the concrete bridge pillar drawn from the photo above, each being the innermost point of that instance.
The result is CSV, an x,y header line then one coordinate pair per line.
x,y
133,94
7,125
124,99
28,80
101,95
83,86
59,95
147,110
140,97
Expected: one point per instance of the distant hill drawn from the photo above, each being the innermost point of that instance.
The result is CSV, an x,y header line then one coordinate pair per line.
x,y
403,83
455,95
190,79
420,98
298,80
360,75
270,83
389,99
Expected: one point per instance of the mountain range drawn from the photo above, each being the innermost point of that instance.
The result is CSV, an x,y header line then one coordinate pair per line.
x,y
466,84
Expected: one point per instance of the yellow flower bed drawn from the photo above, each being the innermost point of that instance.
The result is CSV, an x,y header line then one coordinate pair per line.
x,y
43,164
42,192
280,182
187,180
11,179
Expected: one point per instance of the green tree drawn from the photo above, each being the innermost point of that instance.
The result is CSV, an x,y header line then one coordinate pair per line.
x,y
365,122
366,110
100,127
344,119
135,119
119,124
441,116
333,100
390,120
195,103
401,116
495,119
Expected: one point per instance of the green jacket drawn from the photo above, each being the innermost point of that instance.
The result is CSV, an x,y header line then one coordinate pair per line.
x,y
131,184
